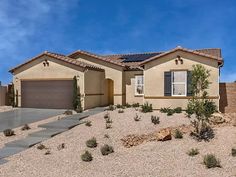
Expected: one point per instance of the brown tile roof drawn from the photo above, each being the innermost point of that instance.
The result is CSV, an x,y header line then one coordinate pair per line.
x,y
61,58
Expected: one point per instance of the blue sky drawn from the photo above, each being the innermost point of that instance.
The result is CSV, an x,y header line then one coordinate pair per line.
x,y
29,27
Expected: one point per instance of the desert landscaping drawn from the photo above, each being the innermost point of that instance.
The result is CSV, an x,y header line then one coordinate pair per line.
x,y
148,157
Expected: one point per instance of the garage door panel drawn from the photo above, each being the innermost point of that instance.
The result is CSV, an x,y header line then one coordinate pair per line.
x,y
47,94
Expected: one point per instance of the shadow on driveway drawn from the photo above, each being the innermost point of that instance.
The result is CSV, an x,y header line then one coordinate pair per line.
x,y
21,116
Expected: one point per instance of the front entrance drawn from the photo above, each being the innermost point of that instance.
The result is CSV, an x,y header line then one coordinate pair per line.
x,y
110,88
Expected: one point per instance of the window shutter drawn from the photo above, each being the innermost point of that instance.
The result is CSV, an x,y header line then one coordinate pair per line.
x,y
189,79
167,83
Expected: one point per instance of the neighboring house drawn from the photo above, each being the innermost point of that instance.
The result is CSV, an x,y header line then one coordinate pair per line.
x,y
159,78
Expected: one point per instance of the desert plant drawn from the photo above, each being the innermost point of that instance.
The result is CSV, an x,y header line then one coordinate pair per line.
x,y
106,149
88,123
137,118
108,125
164,110
8,132
135,105
127,105
193,152
178,134
202,108
91,143
170,112
68,112
233,152
86,157
119,106
61,146
146,107
76,97
178,110
111,108
120,111
41,147
25,127
106,115
155,119
48,152
211,161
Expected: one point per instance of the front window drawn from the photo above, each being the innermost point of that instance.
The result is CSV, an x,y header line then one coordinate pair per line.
x,y
139,85
179,80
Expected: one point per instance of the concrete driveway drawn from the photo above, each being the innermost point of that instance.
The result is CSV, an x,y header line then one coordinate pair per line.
x,y
21,116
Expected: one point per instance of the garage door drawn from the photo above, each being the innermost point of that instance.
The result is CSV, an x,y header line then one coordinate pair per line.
x,y
57,94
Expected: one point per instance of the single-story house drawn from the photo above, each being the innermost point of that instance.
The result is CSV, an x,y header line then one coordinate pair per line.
x,y
159,78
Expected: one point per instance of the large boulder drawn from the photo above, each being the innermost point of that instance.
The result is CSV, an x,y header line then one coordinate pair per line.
x,y
164,134
217,119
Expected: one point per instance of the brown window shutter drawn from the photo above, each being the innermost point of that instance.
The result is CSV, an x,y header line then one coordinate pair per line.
x,y
189,79
167,83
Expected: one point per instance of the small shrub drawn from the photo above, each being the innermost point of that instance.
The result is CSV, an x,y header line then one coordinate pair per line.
x,y
170,112
146,107
25,127
41,147
68,112
86,157
8,132
79,110
164,110
137,118
88,123
193,152
91,143
108,125
178,134
211,161
111,108
135,105
155,119
233,152
119,106
206,133
106,115
48,152
127,105
106,149
178,110
120,111
106,136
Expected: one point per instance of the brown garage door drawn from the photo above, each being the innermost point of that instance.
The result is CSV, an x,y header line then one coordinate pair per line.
x,y
56,94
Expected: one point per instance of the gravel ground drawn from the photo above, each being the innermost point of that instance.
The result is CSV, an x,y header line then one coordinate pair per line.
x,y
162,159
19,134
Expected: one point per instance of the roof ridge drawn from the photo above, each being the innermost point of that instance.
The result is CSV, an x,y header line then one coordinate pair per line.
x,y
144,53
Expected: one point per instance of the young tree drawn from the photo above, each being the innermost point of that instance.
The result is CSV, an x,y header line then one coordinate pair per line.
x,y
200,106
76,96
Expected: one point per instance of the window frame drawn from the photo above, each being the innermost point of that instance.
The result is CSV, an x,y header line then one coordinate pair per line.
x,y
173,83
135,85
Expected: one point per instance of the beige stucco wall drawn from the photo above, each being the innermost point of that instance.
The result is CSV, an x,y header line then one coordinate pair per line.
x,y
95,93
154,78
130,87
113,72
56,70
3,92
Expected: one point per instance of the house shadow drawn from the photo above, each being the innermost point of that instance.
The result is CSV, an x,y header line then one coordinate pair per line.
x,y
223,97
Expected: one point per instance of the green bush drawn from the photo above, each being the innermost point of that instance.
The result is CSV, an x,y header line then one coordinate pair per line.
x,y
193,152
211,161
119,106
164,110
155,119
146,107
25,127
111,108
178,110
88,123
87,157
206,133
106,149
209,108
91,143
233,152
8,132
135,105
178,134
170,112
127,105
